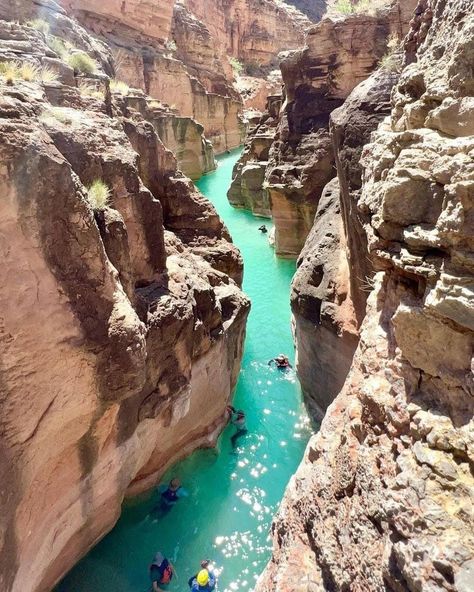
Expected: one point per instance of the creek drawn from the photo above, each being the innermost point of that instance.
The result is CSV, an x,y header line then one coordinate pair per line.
x,y
232,495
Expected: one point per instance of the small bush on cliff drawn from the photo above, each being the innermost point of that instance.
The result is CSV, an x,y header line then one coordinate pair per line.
x,y
89,89
82,63
57,45
237,66
353,6
98,195
120,87
39,24
64,115
13,70
392,60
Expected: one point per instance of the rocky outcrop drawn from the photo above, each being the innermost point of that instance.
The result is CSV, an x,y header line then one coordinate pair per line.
x,y
313,9
253,31
383,499
148,58
139,293
248,189
339,54
182,135
333,279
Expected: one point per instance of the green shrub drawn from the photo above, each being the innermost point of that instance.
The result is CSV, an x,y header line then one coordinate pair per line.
x,y
353,6
59,46
82,62
391,61
120,87
98,195
39,24
237,66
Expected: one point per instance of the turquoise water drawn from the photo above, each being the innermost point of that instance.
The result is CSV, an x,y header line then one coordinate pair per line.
x,y
232,496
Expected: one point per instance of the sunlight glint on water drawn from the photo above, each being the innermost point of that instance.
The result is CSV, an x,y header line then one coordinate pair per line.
x,y
232,496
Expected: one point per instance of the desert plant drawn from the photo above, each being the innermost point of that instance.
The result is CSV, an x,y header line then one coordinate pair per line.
x,y
81,62
39,24
10,71
353,6
237,66
59,46
89,89
28,71
98,195
62,114
391,61
48,76
120,87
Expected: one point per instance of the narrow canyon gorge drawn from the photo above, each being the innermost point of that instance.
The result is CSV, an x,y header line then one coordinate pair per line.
x,y
144,143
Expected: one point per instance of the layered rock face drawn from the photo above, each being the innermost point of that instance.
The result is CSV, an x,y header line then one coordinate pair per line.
x,y
333,279
247,189
339,54
122,321
383,499
169,54
254,31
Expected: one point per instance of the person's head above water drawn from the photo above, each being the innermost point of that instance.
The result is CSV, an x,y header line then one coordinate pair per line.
x,y
174,484
203,577
205,563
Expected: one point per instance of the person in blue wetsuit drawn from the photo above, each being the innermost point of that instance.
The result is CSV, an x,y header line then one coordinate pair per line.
x,y
237,419
169,495
204,580
161,572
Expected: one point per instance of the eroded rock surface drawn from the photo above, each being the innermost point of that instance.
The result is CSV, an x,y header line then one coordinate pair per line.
x,y
384,497
120,323
339,54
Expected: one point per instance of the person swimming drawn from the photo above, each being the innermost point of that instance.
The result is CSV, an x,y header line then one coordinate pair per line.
x,y
204,580
169,496
263,229
281,362
161,572
237,419
205,565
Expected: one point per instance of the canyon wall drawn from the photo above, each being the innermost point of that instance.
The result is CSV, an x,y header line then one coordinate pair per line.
x,y
122,320
340,52
383,499
162,49
253,31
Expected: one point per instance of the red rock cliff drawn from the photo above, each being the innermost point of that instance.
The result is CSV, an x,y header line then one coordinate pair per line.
x,y
383,498
121,314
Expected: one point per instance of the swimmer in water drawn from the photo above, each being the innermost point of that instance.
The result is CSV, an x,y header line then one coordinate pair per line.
x,y
263,229
281,362
237,419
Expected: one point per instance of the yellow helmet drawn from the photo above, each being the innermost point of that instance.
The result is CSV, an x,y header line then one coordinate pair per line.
x,y
203,577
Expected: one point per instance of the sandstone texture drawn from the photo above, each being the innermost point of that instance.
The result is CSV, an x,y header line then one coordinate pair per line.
x,y
118,322
340,52
248,188
253,31
163,50
383,500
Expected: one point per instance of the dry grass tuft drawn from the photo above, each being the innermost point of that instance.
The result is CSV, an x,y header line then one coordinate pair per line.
x,y
98,195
